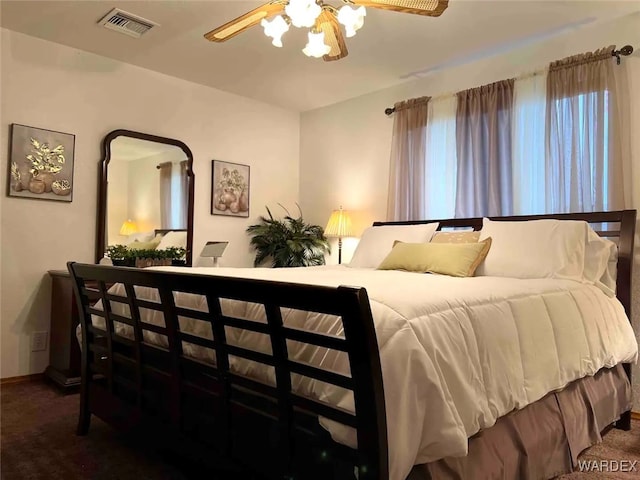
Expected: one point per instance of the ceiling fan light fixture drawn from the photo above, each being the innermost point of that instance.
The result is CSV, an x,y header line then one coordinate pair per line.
x,y
329,25
303,13
275,29
352,19
316,47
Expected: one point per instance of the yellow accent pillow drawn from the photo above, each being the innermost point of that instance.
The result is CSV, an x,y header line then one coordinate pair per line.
x,y
456,237
151,245
454,259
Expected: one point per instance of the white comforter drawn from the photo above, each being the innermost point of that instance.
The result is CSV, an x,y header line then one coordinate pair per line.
x,y
456,353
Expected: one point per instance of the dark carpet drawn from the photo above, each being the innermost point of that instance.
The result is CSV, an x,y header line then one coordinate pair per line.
x,y
38,442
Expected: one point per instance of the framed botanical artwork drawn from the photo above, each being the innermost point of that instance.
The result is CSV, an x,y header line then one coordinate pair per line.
x,y
41,164
229,189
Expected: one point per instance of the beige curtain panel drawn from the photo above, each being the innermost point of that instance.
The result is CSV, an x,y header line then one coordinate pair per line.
x,y
184,194
165,194
483,137
406,199
586,141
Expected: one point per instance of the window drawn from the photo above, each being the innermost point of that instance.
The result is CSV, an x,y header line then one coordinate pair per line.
x,y
560,160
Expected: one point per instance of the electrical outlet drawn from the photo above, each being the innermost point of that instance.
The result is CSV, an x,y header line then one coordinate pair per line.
x,y
39,341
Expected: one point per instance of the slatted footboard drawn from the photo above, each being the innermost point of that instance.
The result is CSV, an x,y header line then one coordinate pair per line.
x,y
267,426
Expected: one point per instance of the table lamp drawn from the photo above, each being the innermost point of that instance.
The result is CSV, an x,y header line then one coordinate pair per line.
x,y
128,228
339,225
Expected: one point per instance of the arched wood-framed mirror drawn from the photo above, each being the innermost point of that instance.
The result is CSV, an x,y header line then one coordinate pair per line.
x,y
146,186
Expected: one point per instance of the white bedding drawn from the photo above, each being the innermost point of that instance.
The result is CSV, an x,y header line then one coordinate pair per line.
x,y
456,353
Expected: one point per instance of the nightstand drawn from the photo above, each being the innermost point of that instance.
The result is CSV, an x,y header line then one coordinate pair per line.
x,y
64,350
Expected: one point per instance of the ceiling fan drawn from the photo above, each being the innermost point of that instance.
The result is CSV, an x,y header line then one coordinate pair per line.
x,y
326,39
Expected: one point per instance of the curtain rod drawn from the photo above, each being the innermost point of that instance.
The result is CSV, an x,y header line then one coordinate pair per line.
x,y
624,51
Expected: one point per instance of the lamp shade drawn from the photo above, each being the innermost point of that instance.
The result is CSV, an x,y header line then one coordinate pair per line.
x,y
339,224
128,228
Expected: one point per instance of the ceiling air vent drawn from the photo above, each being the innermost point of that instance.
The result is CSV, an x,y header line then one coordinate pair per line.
x,y
127,23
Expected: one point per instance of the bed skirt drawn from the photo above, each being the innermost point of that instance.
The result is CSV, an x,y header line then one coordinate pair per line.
x,y
544,439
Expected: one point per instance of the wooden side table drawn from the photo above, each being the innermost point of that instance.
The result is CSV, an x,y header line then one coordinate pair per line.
x,y
64,350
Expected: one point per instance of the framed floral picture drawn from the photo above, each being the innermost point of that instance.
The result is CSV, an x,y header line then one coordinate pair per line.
x,y
229,189
41,164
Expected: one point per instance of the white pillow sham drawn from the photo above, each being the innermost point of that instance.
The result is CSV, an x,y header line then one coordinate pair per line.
x,y
548,249
601,262
534,249
173,239
377,242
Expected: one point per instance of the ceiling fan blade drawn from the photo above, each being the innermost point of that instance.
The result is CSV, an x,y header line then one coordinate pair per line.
x,y
328,23
430,8
243,22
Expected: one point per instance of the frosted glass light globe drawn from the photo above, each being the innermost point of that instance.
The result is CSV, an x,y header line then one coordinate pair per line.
x,y
303,13
275,29
352,19
316,46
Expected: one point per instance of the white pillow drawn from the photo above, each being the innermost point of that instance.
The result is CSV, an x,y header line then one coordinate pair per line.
x,y
601,262
139,237
377,242
173,239
535,249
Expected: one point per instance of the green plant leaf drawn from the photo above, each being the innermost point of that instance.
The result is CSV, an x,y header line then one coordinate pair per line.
x,y
290,242
121,252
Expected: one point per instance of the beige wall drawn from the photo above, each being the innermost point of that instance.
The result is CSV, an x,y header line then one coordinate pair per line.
x,y
144,189
56,87
348,144
144,192
117,200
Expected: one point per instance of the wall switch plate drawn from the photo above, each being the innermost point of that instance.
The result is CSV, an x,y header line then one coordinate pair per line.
x,y
39,341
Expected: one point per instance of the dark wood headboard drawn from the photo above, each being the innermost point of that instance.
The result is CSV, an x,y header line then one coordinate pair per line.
x,y
617,226
164,231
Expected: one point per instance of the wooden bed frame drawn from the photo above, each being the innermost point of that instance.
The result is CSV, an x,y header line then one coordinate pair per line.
x,y
164,231
232,421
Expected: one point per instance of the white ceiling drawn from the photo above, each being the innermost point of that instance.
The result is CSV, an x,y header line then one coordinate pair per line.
x,y
391,47
128,148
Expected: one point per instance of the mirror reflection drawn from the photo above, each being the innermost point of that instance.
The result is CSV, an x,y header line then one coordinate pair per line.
x,y
147,190
145,195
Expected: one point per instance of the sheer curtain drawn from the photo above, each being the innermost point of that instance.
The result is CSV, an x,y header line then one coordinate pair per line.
x,y
441,159
528,144
554,141
165,194
584,136
483,133
406,199
622,117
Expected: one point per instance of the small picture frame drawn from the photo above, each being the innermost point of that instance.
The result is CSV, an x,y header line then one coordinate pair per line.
x,y
229,189
41,164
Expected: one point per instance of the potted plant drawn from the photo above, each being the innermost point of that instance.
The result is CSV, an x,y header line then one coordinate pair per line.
x,y
289,242
177,255
122,256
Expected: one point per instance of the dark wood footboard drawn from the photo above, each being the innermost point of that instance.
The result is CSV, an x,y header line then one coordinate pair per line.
x,y
268,428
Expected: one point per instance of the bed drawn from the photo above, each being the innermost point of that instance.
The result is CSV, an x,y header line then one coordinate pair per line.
x,y
301,395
